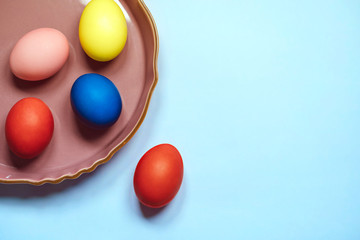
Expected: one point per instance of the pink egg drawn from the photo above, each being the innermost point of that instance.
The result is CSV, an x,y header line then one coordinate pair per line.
x,y
39,54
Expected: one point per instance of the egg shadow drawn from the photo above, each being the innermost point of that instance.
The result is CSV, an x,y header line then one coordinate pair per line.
x,y
87,132
94,65
30,85
149,212
18,162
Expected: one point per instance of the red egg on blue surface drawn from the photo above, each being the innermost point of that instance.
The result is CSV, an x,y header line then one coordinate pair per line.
x,y
29,127
158,176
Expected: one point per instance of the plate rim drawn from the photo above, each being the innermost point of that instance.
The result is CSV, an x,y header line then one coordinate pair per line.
x,y
128,137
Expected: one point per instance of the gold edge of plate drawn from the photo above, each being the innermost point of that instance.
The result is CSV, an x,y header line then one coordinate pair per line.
x,y
128,137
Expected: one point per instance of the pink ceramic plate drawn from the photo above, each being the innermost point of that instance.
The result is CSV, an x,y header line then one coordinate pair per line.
x,y
74,148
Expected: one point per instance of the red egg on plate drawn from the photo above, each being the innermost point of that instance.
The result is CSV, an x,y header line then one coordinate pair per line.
x,y
29,127
158,176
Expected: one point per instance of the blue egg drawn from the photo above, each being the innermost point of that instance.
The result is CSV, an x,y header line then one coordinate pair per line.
x,y
96,100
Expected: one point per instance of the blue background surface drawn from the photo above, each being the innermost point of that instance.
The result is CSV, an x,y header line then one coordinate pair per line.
x,y
262,99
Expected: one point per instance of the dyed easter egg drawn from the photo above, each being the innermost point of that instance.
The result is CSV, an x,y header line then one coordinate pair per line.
x,y
102,30
158,176
39,54
29,127
96,100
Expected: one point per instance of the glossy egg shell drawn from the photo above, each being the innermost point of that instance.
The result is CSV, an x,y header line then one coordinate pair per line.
x,y
158,176
102,30
29,127
96,100
39,54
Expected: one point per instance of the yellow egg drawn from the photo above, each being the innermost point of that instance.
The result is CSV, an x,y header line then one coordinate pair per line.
x,y
102,30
